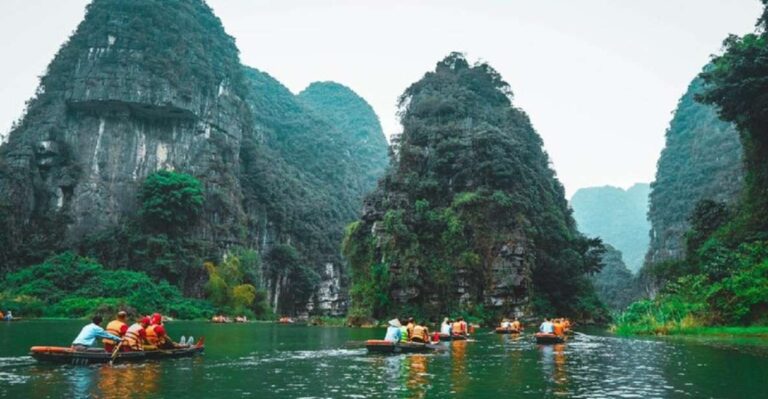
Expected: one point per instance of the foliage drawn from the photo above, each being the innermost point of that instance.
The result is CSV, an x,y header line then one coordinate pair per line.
x,y
618,217
68,285
702,160
468,179
304,175
730,287
284,263
614,284
228,292
170,201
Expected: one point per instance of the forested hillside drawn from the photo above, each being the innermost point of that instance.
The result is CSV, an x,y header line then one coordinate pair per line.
x,y
149,148
700,161
722,275
617,216
469,218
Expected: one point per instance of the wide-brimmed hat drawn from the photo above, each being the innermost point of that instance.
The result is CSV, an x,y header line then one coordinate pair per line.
x,y
395,323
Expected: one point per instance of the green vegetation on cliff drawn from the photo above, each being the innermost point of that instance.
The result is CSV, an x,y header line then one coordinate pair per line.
x,y
617,216
352,115
701,161
723,280
614,284
469,217
304,174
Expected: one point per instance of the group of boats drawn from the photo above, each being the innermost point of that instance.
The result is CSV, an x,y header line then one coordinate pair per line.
x,y
383,346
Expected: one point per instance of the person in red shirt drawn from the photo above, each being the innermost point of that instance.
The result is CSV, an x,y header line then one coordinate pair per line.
x,y
157,336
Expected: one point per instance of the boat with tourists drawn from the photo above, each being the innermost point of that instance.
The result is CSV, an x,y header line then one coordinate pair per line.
x,y
68,355
548,339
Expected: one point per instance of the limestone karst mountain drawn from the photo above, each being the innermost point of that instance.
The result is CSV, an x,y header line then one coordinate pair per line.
x,y
149,85
702,160
469,217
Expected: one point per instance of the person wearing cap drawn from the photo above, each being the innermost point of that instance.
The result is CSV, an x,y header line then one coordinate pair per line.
x,y
89,333
116,327
157,336
136,335
394,334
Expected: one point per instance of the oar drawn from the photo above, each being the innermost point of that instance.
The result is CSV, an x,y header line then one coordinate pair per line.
x,y
115,352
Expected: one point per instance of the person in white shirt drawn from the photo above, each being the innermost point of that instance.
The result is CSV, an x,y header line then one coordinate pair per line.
x,y
445,328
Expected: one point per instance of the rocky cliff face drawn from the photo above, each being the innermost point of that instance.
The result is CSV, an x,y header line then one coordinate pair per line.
x,y
469,217
146,85
618,217
701,160
306,174
122,100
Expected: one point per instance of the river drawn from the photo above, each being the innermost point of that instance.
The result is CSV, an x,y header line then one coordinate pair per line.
x,y
264,360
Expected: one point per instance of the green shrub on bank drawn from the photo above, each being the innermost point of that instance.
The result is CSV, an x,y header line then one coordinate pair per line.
x,y
68,285
731,288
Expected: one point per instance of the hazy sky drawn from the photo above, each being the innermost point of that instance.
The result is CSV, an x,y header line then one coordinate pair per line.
x,y
599,78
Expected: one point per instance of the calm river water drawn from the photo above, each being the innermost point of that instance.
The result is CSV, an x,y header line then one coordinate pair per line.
x,y
262,360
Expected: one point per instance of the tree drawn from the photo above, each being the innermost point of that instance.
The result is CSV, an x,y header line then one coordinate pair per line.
x,y
170,201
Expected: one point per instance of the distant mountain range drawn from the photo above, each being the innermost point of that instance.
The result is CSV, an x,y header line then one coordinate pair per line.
x,y
617,216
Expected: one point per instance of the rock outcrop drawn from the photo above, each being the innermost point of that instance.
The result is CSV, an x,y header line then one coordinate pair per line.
x,y
469,217
702,160
147,85
124,98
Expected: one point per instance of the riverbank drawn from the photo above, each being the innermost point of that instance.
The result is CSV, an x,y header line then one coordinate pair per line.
x,y
723,331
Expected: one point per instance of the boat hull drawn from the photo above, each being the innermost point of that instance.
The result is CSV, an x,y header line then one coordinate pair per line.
x,y
62,355
381,346
446,337
548,339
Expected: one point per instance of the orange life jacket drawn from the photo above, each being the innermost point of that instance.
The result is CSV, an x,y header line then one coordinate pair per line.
x,y
516,325
459,328
114,327
152,335
154,338
133,337
410,328
420,332
558,328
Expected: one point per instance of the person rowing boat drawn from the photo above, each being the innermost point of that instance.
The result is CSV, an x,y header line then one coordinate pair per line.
x,y
89,333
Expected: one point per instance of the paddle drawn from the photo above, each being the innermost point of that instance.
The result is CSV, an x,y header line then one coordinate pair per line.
x,y
115,352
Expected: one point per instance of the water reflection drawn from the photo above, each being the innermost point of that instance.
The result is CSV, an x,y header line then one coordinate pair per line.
x,y
129,381
459,376
122,381
416,382
553,364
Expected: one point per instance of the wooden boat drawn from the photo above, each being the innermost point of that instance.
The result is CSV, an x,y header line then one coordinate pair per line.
x,y
66,355
451,337
502,330
382,346
543,338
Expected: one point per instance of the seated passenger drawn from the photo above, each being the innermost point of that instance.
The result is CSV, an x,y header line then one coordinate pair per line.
x,y
394,333
445,328
546,327
116,327
89,333
420,334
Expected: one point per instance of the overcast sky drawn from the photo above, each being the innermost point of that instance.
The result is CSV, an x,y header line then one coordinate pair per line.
x,y
599,78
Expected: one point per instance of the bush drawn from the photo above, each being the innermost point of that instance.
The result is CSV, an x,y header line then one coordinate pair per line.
x,y
68,285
